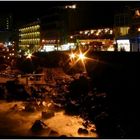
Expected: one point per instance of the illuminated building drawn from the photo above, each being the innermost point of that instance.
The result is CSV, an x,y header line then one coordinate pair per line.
x,y
7,53
29,37
127,30
96,39
122,24
59,22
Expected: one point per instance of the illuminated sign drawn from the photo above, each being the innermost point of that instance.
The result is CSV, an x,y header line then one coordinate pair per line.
x,y
48,48
123,45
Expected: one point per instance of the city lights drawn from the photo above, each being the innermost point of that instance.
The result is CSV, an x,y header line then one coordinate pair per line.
x,y
30,36
97,34
137,13
70,6
43,40
111,32
81,56
73,6
92,31
71,37
69,69
123,45
86,32
29,56
72,55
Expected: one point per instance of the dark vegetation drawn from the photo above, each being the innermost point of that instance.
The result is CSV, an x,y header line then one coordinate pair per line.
x,y
117,74
48,60
111,97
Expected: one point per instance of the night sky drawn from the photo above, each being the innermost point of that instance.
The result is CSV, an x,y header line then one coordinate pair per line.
x,y
91,13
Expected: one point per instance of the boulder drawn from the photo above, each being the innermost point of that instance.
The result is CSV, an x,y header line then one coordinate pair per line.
x,y
38,125
30,108
47,114
82,131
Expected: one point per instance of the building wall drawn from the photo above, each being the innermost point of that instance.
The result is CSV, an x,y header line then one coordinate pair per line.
x,y
127,25
122,23
58,23
29,37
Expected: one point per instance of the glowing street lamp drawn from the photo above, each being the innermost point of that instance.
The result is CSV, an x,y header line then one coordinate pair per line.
x,y
73,6
71,37
43,41
70,6
81,56
72,56
29,56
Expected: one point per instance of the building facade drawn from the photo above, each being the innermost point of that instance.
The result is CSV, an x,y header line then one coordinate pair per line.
x,y
127,30
29,37
58,23
101,39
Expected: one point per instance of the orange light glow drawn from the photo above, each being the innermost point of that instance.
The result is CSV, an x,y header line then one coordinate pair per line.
x,y
29,56
72,55
81,56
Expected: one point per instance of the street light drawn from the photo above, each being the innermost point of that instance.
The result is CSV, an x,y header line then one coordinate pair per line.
x,y
81,56
29,56
72,55
71,37
70,6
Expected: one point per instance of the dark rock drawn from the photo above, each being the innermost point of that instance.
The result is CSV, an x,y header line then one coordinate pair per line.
x,y
14,107
17,108
38,125
30,108
47,114
62,136
53,133
82,131
93,130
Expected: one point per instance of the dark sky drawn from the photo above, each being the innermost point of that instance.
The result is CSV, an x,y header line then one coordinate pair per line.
x,y
94,13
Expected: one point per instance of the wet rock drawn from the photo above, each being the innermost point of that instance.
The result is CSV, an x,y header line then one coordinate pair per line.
x,y
17,108
69,124
30,108
47,114
57,105
53,133
85,124
93,130
49,104
48,89
44,104
82,131
62,136
38,125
